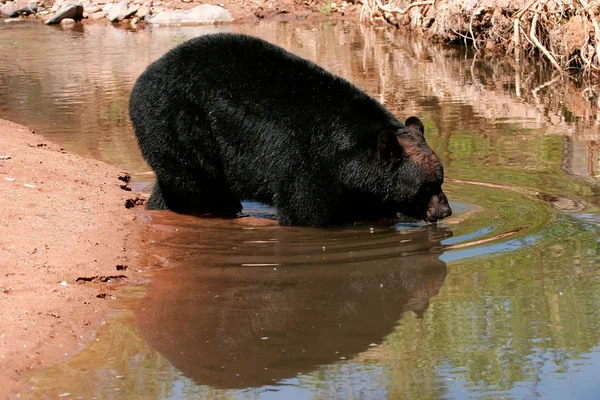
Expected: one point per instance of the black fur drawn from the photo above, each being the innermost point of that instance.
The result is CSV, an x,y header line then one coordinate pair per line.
x,y
228,117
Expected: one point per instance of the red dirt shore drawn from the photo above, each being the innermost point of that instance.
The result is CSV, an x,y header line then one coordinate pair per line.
x,y
66,241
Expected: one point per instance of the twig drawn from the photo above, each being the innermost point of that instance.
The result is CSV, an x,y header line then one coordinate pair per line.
x,y
471,28
545,84
461,35
522,11
586,6
526,36
400,11
540,45
516,40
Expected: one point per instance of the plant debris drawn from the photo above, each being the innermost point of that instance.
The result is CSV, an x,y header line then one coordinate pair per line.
x,y
564,32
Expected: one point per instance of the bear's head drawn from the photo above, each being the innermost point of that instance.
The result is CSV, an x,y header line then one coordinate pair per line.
x,y
414,173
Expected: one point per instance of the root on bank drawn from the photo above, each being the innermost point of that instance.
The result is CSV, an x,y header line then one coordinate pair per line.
x,y
565,32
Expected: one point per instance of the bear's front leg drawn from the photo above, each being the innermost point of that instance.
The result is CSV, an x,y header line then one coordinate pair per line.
x,y
309,202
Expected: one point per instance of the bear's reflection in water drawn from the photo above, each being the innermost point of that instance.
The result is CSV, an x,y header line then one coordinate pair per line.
x,y
247,306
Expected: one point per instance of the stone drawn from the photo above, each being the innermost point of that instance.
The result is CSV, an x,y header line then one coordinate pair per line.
x,y
131,10
97,15
117,10
142,12
28,9
73,11
9,10
204,14
92,8
67,22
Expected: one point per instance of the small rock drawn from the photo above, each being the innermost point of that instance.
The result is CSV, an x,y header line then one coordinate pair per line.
x,y
28,185
9,10
13,20
28,9
67,22
73,11
117,10
135,21
63,283
142,12
92,8
10,179
131,10
204,14
5,157
97,15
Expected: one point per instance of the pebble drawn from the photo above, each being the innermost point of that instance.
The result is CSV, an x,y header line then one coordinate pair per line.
x,y
5,157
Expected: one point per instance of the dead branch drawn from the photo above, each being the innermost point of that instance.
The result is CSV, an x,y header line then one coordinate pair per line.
x,y
461,35
471,28
522,11
586,7
516,41
539,45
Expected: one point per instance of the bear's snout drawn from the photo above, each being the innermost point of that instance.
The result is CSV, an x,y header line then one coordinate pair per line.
x,y
438,208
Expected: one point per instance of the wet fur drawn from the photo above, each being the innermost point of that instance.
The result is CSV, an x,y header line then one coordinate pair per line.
x,y
228,117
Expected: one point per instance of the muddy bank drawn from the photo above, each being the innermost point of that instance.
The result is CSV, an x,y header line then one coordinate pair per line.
x,y
67,241
564,33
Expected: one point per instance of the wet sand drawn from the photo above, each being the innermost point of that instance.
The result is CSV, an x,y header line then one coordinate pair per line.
x,y
67,241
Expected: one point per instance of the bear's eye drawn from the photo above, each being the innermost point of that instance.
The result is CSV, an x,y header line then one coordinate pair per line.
x,y
426,188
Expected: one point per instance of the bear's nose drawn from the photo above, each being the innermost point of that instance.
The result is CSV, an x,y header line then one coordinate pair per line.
x,y
441,211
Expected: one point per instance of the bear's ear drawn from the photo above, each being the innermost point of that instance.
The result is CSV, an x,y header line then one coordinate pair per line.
x,y
388,146
414,123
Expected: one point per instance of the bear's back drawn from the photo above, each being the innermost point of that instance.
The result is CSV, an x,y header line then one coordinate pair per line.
x,y
254,77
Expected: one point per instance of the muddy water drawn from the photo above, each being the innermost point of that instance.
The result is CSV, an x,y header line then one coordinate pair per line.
x,y
499,301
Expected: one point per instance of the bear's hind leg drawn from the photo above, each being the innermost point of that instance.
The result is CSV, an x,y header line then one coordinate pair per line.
x,y
193,198
156,200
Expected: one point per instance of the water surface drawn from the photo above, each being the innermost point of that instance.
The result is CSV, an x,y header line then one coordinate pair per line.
x,y
499,301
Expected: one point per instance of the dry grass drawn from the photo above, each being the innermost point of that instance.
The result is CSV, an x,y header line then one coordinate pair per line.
x,y
565,32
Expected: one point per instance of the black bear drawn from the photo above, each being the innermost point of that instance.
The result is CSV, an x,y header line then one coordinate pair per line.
x,y
229,117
